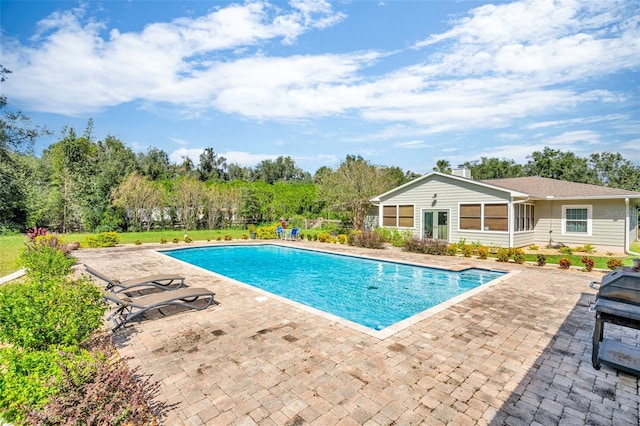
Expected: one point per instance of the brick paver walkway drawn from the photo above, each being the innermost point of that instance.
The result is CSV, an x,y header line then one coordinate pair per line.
x,y
517,353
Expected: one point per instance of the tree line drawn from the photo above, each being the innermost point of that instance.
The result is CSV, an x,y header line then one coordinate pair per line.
x,y
80,184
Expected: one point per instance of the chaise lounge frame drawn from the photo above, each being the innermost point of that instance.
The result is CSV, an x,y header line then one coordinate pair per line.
x,y
163,282
129,308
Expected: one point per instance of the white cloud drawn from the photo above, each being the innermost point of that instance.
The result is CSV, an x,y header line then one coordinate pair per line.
x,y
579,120
410,144
70,68
179,155
247,159
497,64
573,137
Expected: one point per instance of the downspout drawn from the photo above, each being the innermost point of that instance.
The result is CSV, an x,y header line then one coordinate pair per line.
x,y
627,223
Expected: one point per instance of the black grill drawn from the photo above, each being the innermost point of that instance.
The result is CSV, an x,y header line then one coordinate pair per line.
x,y
617,302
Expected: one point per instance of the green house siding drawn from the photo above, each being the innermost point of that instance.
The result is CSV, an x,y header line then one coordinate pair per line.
x,y
607,222
441,193
523,239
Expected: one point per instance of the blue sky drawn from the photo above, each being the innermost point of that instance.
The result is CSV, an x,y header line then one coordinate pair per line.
x,y
401,83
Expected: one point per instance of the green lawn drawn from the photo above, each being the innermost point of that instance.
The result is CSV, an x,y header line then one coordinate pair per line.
x,y
12,245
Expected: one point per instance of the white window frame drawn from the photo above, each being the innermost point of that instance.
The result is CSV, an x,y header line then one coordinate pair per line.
x,y
589,209
397,215
482,217
529,219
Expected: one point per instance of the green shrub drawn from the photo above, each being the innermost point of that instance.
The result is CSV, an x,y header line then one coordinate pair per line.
x,y
342,238
394,236
228,237
267,232
163,241
566,250
517,254
452,250
187,239
325,237
103,239
27,381
45,258
534,247
587,248
461,243
36,314
138,242
503,255
564,263
542,259
367,240
483,252
467,250
175,241
426,246
614,263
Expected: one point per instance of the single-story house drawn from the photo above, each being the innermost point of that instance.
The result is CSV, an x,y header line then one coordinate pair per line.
x,y
510,212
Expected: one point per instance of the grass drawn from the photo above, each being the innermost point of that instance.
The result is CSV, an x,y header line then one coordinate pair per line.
x,y
12,245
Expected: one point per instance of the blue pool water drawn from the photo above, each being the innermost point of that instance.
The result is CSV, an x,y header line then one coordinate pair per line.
x,y
372,293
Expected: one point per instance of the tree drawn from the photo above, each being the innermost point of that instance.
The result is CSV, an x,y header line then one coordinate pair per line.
x,y
282,169
614,171
142,200
212,166
17,135
188,197
442,166
72,166
494,168
555,164
187,167
352,185
222,202
155,165
113,163
237,172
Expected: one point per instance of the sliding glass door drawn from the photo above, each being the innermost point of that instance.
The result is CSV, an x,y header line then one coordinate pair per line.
x,y
435,224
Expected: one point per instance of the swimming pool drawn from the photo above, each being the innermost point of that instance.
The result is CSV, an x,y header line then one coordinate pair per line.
x,y
372,293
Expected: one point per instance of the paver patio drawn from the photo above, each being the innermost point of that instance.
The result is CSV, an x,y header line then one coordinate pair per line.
x,y
517,353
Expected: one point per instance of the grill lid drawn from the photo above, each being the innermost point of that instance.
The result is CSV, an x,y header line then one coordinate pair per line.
x,y
623,285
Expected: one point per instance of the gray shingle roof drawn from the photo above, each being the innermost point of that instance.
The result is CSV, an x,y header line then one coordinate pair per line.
x,y
546,187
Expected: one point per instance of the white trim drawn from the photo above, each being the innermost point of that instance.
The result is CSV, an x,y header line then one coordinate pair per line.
x,y
432,209
589,209
397,206
447,176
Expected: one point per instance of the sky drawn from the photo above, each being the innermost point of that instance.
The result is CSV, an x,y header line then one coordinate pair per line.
x,y
400,83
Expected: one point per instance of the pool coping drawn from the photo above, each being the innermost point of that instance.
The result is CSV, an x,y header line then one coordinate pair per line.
x,y
380,334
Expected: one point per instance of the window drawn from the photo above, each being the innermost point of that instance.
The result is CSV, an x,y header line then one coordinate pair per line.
x,y
576,220
488,217
397,216
471,216
389,216
496,217
524,217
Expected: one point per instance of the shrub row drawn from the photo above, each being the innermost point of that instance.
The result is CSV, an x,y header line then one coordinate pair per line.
x,y
52,371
